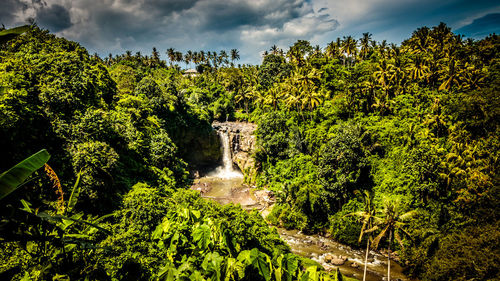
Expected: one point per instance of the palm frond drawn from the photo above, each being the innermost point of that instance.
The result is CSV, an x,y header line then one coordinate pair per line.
x,y
379,237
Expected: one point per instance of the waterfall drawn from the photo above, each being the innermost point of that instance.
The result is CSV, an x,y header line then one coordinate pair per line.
x,y
226,171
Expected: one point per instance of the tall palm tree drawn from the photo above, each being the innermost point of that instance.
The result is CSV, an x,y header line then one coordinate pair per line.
x,y
384,75
235,55
178,57
171,55
393,223
332,50
317,51
367,217
215,58
382,48
223,57
418,68
202,56
365,44
451,75
273,96
420,40
155,57
473,78
306,84
189,57
349,47
274,50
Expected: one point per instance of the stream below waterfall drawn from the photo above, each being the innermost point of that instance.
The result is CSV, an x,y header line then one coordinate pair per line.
x,y
225,185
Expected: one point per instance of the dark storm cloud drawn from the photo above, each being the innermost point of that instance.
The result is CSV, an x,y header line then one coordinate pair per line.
x,y
166,7
251,26
482,27
119,25
55,18
225,15
8,10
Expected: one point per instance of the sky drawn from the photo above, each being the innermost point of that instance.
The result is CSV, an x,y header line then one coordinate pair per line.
x,y
251,26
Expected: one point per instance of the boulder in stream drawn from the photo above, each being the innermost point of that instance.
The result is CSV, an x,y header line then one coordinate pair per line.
x,y
335,260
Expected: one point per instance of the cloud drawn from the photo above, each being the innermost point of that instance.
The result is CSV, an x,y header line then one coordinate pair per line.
x,y
9,10
55,18
396,20
119,25
482,26
251,26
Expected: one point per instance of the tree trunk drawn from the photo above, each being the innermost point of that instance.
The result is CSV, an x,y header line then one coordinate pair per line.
x,y
366,257
389,257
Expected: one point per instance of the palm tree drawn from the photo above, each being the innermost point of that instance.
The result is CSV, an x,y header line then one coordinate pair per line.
x,y
305,82
155,57
178,57
202,56
317,51
419,42
273,95
382,48
451,75
171,55
189,57
384,75
235,55
418,68
214,57
473,78
223,57
349,47
109,59
246,95
393,223
274,50
365,44
367,218
332,50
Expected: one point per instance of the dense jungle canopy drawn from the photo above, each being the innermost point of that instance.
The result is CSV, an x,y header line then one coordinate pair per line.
x,y
401,138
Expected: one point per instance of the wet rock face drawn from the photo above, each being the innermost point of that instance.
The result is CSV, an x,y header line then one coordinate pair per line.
x,y
243,142
201,149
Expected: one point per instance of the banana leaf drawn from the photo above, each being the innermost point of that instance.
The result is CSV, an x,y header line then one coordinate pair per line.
x,y
15,176
9,34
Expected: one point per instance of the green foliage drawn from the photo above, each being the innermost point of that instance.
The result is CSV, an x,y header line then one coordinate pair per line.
x,y
273,70
346,228
342,165
472,253
272,134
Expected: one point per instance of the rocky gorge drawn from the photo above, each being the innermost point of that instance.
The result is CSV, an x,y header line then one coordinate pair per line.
x,y
226,185
242,143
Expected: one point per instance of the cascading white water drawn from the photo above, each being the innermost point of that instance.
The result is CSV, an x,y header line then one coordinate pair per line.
x,y
226,171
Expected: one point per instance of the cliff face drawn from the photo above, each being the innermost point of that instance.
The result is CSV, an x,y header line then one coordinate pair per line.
x,y
243,143
201,149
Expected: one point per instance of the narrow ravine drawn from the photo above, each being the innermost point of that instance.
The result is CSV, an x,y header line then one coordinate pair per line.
x,y
225,185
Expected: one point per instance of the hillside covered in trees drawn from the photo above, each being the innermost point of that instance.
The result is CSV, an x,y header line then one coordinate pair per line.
x,y
392,147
